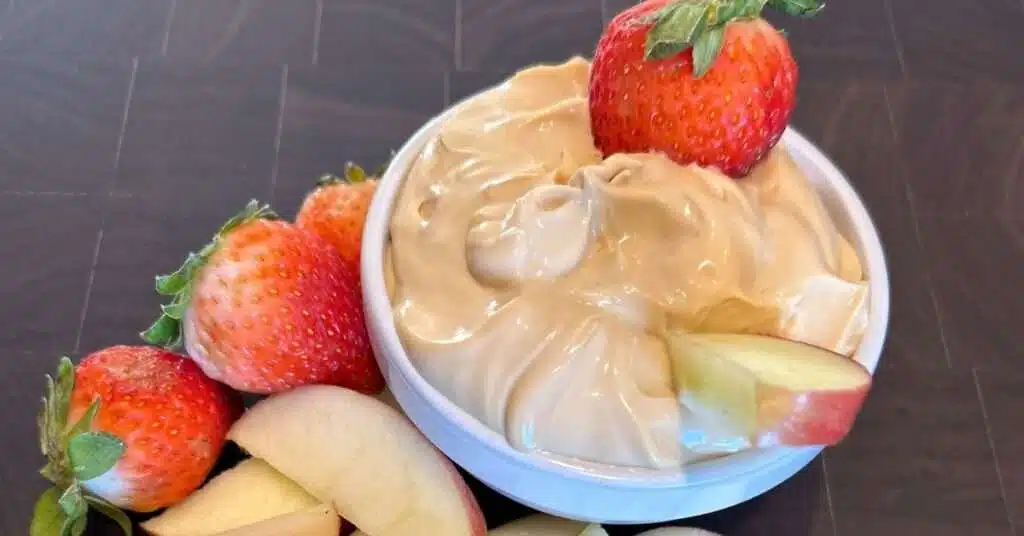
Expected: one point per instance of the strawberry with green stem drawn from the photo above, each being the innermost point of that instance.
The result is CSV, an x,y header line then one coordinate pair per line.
x,y
267,306
131,427
336,210
706,82
74,454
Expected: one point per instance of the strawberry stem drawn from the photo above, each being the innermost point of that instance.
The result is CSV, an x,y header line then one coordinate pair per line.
x,y
166,331
700,24
329,179
354,174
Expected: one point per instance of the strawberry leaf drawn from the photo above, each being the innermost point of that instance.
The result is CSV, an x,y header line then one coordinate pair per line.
x,y
675,27
354,173
700,24
706,49
47,516
166,331
94,453
52,421
109,510
176,308
43,424
799,8
85,423
63,387
173,283
45,421
253,211
52,472
76,527
72,503
329,179
725,11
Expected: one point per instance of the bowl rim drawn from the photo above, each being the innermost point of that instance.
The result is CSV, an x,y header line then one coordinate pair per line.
x,y
380,321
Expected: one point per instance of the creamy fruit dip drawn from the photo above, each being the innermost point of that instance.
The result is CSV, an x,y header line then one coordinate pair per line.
x,y
532,280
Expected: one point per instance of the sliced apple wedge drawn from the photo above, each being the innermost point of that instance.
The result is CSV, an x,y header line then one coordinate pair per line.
x,y
250,492
539,525
772,391
319,520
362,457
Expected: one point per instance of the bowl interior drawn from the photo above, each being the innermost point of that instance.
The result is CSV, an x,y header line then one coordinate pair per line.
x,y
839,197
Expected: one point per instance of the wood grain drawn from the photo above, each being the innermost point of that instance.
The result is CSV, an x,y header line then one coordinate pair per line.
x,y
513,33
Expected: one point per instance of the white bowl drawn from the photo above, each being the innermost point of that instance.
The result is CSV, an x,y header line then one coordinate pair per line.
x,y
587,491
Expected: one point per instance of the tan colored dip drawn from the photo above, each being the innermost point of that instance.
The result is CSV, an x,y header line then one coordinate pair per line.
x,y
532,281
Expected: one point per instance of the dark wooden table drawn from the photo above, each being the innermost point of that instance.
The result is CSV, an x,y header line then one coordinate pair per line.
x,y
130,128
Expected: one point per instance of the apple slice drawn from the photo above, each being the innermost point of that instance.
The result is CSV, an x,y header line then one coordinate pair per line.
x,y
535,525
773,391
250,492
364,458
319,520
539,525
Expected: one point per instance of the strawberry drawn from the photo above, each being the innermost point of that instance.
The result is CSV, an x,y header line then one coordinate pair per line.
x,y
336,210
132,427
702,81
267,306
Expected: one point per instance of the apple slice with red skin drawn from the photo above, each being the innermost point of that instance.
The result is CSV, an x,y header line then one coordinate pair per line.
x,y
364,458
770,390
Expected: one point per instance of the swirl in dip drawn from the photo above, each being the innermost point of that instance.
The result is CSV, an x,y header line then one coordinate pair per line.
x,y
533,281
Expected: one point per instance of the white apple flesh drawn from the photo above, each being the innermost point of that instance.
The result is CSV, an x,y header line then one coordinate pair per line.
x,y
248,493
772,391
540,525
545,525
364,458
319,520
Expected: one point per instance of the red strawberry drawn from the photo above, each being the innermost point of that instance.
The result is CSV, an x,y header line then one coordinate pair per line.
x,y
336,210
703,81
132,427
267,306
